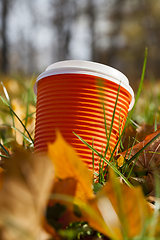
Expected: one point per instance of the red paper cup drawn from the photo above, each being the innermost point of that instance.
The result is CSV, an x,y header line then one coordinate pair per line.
x,y
70,97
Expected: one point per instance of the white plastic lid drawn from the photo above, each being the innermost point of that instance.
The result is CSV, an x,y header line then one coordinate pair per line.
x,y
90,68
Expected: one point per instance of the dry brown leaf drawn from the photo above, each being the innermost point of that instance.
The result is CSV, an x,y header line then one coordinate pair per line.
x,y
140,134
69,165
148,161
144,130
24,193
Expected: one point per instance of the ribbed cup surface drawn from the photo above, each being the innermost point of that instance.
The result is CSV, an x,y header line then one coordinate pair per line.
x,y
73,103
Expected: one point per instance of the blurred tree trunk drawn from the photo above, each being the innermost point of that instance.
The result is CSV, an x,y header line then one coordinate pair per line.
x,y
4,47
62,20
92,20
116,17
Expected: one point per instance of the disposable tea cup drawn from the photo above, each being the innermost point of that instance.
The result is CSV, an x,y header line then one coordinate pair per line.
x,y
86,98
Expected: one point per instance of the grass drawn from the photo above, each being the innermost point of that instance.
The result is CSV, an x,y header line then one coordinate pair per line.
x,y
16,113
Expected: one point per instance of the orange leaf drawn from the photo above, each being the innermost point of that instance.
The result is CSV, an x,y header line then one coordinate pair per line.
x,y
69,165
123,209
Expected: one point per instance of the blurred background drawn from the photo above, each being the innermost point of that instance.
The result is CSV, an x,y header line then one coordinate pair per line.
x,y
35,34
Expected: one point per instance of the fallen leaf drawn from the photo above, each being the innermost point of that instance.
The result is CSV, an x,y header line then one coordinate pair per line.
x,y
139,134
148,161
145,130
123,209
69,165
24,193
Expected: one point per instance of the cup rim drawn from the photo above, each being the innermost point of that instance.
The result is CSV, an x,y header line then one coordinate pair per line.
x,y
88,68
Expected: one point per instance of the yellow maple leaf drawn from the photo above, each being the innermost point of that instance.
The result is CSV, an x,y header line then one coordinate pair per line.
x,y
69,165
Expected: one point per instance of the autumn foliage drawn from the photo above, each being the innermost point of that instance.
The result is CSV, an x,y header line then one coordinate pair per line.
x,y
47,193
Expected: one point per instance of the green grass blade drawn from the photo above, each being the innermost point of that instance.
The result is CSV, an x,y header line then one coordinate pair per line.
x,y
112,121
120,129
27,109
6,152
24,136
29,115
29,97
129,158
111,164
6,93
114,111
33,95
4,101
16,129
130,151
155,124
107,137
134,124
18,119
153,152
110,130
4,156
8,101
